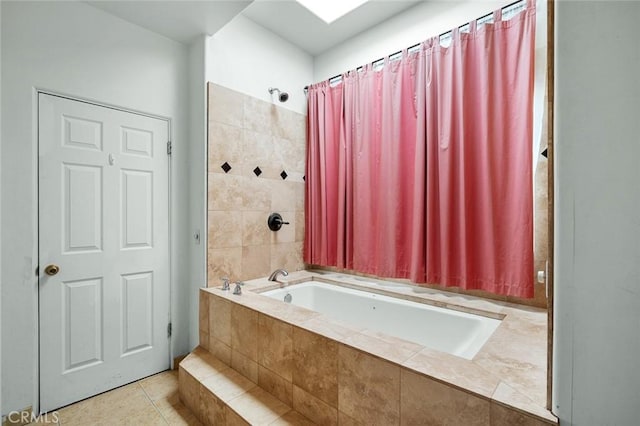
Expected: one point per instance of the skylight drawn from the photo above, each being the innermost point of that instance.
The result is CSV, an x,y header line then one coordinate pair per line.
x,y
329,11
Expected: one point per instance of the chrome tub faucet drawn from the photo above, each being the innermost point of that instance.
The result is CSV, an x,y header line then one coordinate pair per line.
x,y
274,274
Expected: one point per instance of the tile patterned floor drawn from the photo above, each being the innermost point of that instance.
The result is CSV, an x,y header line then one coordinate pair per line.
x,y
150,401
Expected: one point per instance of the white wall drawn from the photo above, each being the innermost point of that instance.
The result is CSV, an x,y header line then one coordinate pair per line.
x,y
403,30
1,209
197,179
597,241
248,58
73,48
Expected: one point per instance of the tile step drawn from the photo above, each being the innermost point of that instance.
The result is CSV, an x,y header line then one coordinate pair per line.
x,y
219,395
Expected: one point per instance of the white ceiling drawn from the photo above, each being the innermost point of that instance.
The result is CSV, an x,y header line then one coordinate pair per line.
x,y
296,24
184,20
180,20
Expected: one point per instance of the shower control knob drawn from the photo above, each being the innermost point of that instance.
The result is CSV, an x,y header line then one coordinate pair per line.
x,y
275,221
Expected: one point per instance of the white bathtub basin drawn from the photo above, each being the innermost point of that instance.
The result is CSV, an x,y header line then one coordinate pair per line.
x,y
458,333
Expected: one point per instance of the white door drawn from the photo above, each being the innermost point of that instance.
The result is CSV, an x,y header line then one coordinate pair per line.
x,y
103,222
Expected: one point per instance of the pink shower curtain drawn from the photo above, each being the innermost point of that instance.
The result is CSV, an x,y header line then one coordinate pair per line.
x,y
325,152
422,169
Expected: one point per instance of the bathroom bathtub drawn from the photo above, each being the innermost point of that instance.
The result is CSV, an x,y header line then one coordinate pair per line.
x,y
446,330
317,354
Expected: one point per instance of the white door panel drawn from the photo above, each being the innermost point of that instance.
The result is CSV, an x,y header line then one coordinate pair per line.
x,y
103,202
81,306
82,208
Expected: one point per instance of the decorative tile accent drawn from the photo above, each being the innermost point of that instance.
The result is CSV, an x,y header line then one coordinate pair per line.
x,y
257,171
283,175
226,167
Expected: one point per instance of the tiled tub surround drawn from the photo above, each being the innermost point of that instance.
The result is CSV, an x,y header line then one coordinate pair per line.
x,y
256,166
334,373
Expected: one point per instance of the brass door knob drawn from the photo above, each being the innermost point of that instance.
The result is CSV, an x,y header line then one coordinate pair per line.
x,y
52,269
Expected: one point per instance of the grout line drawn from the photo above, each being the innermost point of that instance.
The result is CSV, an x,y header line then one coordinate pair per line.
x,y
153,404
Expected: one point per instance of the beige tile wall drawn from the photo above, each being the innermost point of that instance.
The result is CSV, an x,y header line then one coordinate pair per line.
x,y
247,133
541,230
541,218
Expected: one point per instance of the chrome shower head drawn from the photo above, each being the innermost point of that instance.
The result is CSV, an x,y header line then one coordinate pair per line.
x,y
282,96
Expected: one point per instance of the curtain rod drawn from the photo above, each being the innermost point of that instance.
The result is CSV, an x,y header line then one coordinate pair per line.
x,y
377,61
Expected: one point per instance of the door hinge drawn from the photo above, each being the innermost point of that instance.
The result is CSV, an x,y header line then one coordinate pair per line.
x,y
169,330
37,271
169,148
